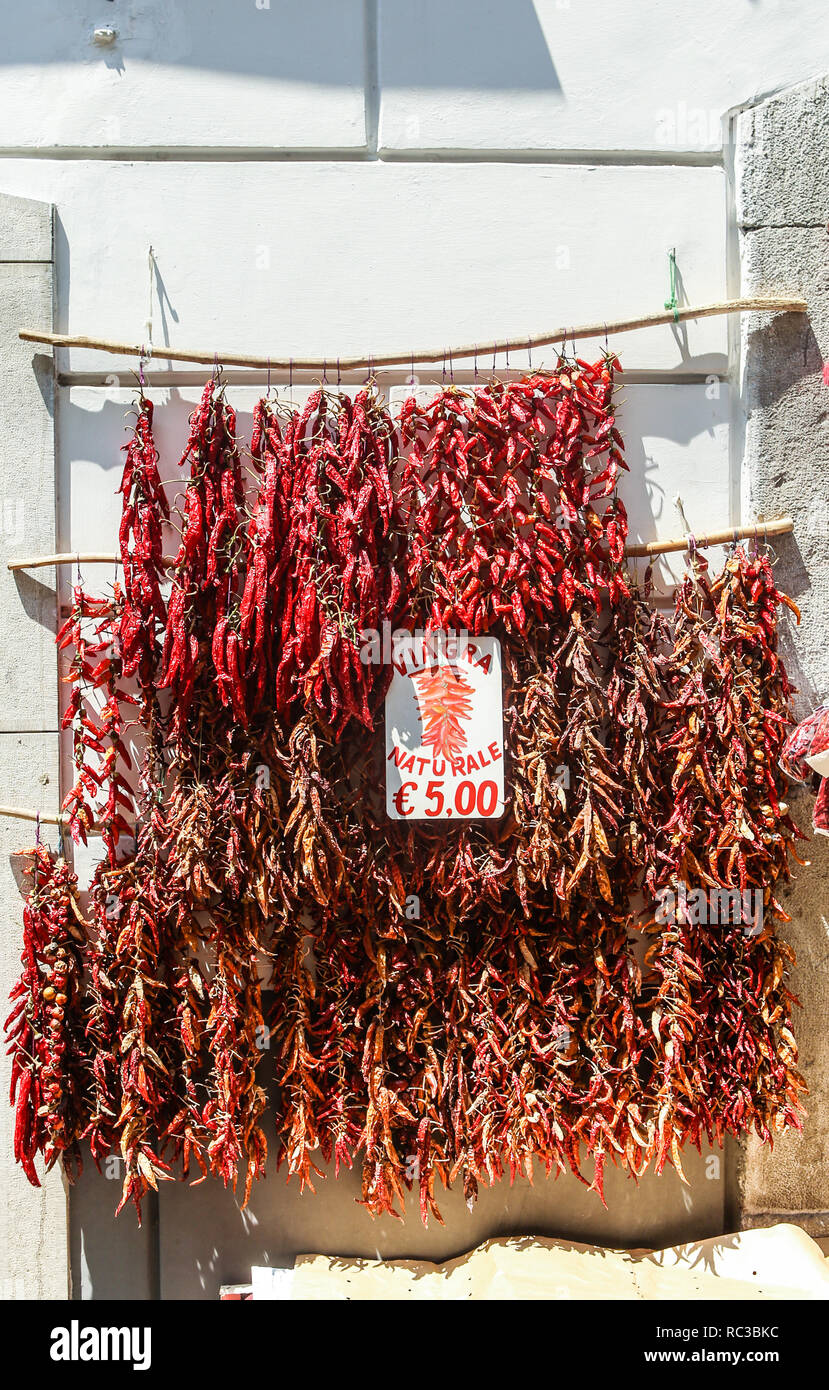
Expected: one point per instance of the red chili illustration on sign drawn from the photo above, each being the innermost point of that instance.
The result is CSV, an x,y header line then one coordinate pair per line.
x,y
445,705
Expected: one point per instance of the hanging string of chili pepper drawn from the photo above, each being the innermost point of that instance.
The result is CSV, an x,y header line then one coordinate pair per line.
x,y
344,540
97,730
716,968
144,511
45,1027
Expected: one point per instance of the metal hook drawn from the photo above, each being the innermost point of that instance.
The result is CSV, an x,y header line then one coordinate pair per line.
x,y
269,377
529,354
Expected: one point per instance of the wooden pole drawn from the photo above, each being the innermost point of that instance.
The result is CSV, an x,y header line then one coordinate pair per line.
x,y
780,527
93,557
403,358
23,813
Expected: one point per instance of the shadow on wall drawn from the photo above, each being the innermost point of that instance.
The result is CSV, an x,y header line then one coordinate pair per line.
x,y
257,39
482,44
777,357
783,362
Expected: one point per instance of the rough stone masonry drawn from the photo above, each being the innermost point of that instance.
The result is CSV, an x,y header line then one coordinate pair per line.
x,y
781,185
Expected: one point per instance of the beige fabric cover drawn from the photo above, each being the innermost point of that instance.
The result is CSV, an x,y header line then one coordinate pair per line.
x,y
780,1262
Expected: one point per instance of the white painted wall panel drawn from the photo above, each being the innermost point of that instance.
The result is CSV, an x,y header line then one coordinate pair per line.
x,y
27,506
317,258
585,74
256,73
676,441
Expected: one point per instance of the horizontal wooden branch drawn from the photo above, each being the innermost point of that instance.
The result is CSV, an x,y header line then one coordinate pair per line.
x,y
409,357
23,813
779,527
91,557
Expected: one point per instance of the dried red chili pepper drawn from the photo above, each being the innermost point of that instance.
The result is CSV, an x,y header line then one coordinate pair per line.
x,y
499,488
45,1027
144,511
203,616
343,582
96,730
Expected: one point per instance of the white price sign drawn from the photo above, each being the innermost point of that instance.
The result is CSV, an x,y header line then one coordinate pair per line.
x,y
445,730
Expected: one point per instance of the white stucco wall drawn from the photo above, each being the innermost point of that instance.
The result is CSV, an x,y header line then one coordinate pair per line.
x,y
353,175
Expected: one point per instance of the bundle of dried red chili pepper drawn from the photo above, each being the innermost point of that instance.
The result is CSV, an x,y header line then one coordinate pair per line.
x,y
45,1026
453,1002
344,578
94,714
269,554
723,1053
203,617
499,487
144,511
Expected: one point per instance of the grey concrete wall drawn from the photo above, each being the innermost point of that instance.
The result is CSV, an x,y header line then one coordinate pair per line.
x,y
34,1259
781,180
